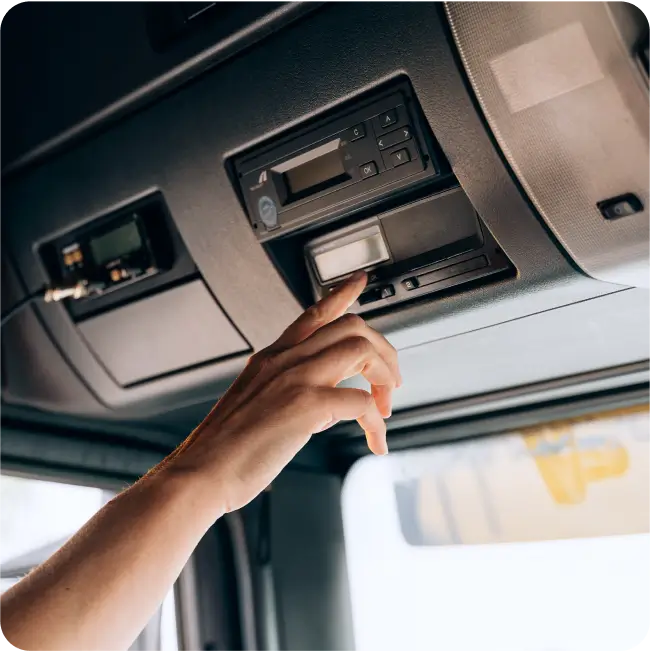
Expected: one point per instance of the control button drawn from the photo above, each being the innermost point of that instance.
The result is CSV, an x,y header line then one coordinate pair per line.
x,y
387,291
623,206
369,296
394,137
268,212
368,169
355,133
400,157
376,294
410,284
388,119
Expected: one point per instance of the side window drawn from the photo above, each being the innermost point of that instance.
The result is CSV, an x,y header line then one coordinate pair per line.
x,y
531,540
38,517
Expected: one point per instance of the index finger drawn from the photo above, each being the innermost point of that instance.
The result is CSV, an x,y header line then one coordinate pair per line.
x,y
328,309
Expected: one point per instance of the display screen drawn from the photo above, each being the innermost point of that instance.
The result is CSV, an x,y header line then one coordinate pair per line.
x,y
116,243
315,172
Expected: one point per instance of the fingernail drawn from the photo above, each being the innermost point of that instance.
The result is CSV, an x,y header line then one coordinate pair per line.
x,y
357,275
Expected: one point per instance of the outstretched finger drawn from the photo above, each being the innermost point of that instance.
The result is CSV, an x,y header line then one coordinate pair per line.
x,y
325,311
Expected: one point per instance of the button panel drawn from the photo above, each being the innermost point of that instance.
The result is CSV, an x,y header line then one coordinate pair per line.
x,y
394,137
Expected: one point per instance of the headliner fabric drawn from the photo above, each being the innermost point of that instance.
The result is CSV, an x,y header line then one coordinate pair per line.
x,y
546,68
568,105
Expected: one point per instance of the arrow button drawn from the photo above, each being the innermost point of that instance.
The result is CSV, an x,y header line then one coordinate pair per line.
x,y
388,119
394,137
400,157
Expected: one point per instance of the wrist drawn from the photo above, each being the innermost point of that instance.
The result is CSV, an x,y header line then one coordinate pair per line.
x,y
186,490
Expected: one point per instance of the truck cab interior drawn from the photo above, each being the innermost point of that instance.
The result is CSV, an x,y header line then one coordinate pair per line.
x,y
181,180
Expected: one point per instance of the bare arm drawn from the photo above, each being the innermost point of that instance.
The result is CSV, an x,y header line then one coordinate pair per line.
x,y
100,589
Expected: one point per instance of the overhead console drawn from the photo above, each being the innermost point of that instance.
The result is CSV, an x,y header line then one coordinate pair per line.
x,y
366,187
336,167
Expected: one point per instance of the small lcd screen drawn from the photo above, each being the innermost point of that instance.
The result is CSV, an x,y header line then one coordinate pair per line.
x,y
316,172
116,243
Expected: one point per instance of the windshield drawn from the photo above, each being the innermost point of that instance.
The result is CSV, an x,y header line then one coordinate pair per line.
x,y
531,540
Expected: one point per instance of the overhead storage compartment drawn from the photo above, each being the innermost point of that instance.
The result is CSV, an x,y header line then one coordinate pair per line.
x,y
175,329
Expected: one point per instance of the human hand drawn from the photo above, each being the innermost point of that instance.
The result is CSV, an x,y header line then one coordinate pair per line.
x,y
288,392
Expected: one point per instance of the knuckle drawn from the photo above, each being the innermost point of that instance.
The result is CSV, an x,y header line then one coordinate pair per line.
x,y
295,378
359,345
263,359
302,395
353,321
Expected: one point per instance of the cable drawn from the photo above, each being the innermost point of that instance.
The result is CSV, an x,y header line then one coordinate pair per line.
x,y
52,295
18,307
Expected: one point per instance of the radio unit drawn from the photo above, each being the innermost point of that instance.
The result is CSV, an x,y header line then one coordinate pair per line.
x,y
348,161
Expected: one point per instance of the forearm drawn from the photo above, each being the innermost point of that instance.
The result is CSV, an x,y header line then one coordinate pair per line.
x,y
101,588
99,591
